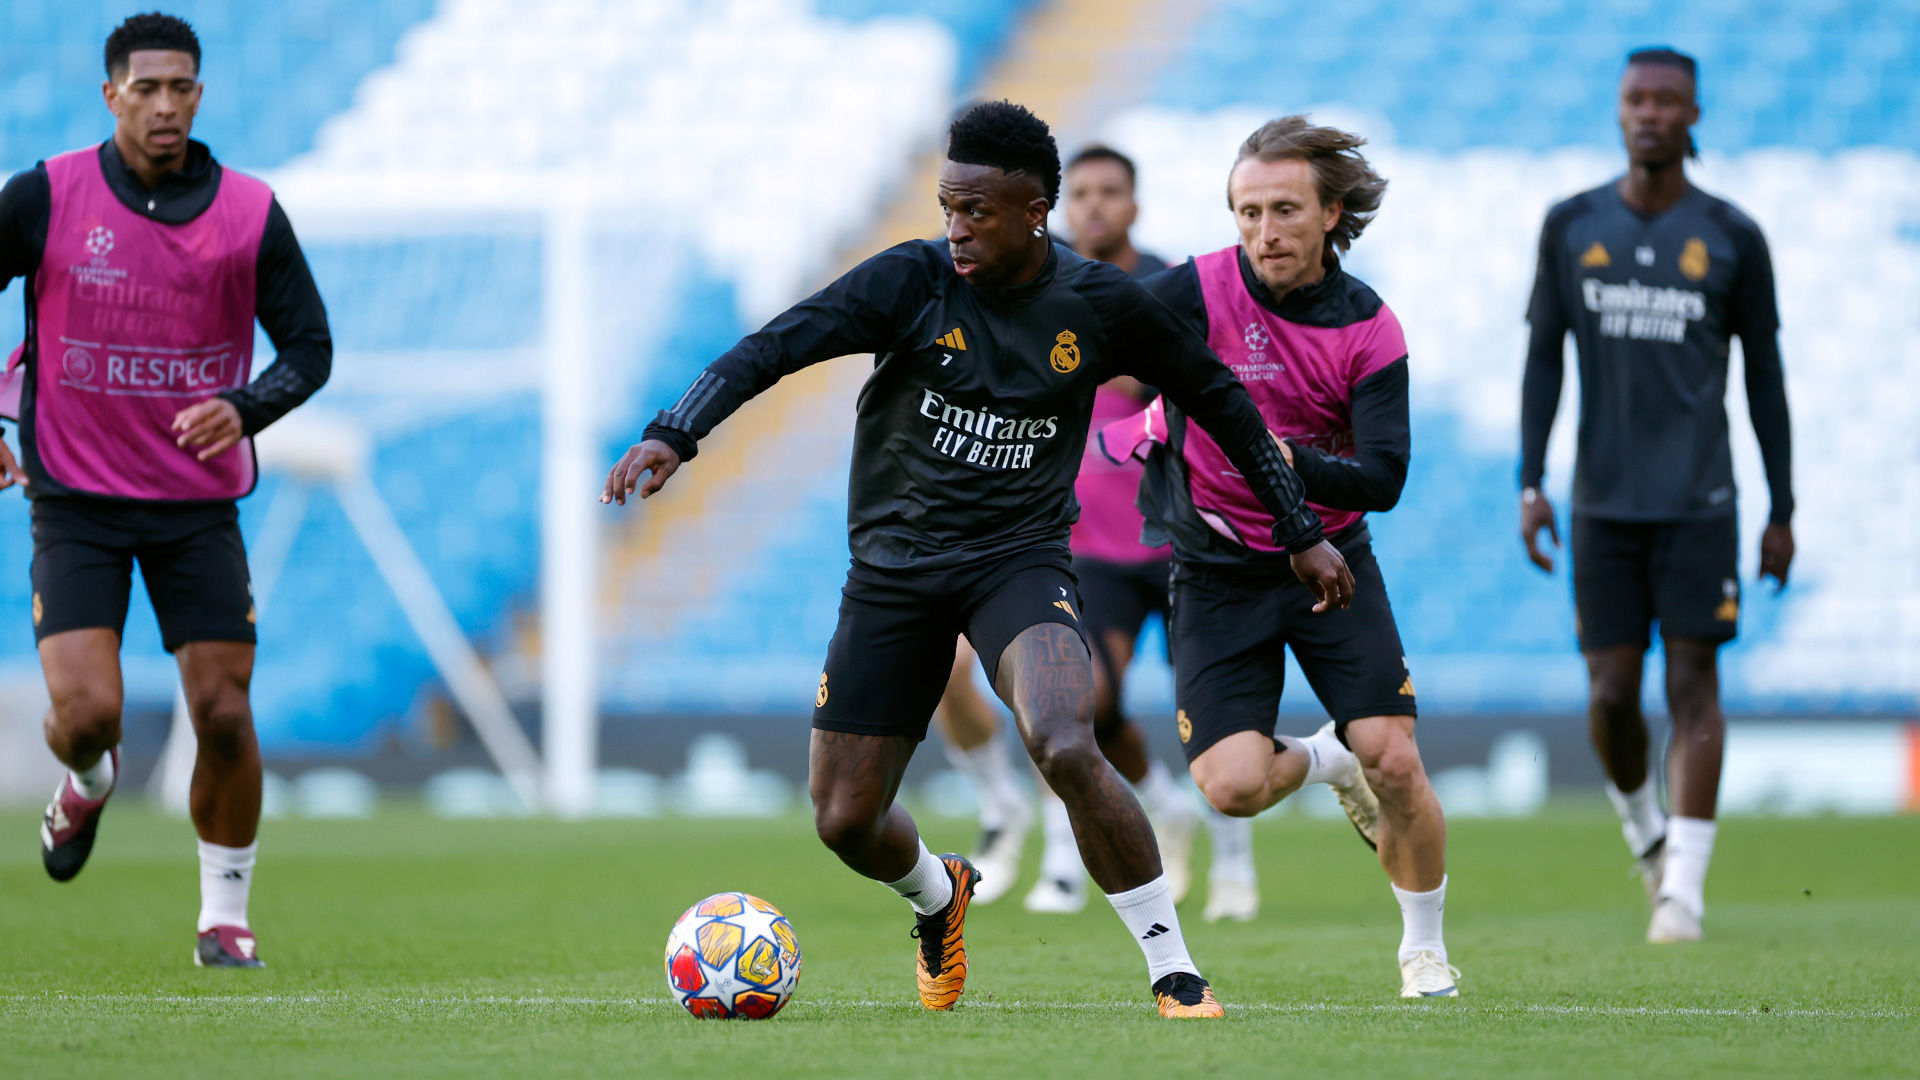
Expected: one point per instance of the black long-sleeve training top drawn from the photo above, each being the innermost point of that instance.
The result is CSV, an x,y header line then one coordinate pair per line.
x,y
1653,304
969,433
287,302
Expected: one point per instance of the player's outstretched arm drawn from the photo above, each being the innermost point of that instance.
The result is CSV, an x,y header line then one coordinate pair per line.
x,y
650,456
863,311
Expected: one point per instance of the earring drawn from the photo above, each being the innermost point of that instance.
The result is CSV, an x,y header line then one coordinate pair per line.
x,y
1037,232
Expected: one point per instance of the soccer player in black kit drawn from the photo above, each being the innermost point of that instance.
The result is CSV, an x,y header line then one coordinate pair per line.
x,y
959,506
1654,277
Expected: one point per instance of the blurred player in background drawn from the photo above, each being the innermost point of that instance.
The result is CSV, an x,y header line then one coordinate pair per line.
x,y
1654,277
988,349
1123,582
145,265
1326,361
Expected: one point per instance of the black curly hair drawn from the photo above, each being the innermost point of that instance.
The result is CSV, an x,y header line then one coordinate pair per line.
x,y
150,31
1007,137
1100,152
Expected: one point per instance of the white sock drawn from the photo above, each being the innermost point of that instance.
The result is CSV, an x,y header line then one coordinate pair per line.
x,y
226,876
1689,850
94,782
928,886
1641,821
1232,847
1327,759
1162,798
1060,858
991,771
1420,914
1148,913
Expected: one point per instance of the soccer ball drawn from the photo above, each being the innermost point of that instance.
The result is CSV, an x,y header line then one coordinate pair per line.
x,y
732,957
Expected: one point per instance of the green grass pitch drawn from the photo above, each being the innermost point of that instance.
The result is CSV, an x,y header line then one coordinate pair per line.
x,y
409,947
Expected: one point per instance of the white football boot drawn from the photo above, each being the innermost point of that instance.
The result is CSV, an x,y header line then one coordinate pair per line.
x,y
1057,896
1238,901
1652,869
1175,834
1357,799
997,856
1427,974
1672,922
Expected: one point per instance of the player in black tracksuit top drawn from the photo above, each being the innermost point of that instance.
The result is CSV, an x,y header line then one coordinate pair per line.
x,y
968,437
1654,277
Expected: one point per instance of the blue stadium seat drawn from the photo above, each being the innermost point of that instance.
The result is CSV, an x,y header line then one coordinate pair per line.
x,y
980,27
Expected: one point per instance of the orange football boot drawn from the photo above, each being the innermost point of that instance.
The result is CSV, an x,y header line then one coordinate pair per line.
x,y
1186,996
941,968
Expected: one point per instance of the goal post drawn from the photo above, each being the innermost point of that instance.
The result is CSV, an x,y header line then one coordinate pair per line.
x,y
326,448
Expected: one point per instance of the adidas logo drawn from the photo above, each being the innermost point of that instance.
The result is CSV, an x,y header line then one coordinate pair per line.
x,y
1406,688
1154,931
955,340
1066,607
233,875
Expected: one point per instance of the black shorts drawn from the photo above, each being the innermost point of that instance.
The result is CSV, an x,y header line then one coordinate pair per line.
x,y
1119,598
893,650
1229,633
190,555
1626,574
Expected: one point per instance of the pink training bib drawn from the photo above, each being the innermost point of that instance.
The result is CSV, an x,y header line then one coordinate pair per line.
x,y
137,320
1301,377
1109,525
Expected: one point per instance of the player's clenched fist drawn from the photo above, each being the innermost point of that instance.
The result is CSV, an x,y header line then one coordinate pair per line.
x,y
651,455
1325,571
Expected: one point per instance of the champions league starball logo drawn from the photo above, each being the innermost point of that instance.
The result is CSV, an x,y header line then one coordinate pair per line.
x,y
100,241
1255,337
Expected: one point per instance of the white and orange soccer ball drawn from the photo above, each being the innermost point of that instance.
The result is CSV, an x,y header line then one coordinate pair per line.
x,y
732,957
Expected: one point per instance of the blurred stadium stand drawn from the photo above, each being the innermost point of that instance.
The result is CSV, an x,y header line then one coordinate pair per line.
x,y
689,103
1482,117
761,139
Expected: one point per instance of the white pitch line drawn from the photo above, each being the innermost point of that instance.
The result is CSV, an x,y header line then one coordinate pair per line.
x,y
1301,1008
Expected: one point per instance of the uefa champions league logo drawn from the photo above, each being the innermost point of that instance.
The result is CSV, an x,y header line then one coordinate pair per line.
x,y
1255,337
95,271
77,365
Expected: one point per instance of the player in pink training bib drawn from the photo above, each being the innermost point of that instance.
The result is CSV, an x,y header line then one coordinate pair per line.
x,y
1326,362
145,265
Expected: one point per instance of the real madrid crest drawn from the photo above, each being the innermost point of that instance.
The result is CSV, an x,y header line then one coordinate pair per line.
x,y
1693,259
1066,355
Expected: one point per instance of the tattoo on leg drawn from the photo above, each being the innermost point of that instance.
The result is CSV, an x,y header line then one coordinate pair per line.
x,y
1046,678
853,780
